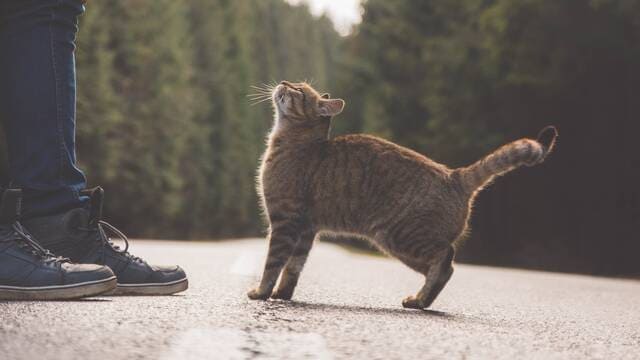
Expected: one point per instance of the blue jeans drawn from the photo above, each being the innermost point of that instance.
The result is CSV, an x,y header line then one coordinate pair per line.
x,y
38,100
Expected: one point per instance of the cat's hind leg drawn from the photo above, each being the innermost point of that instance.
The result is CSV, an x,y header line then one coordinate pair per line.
x,y
282,239
294,266
436,265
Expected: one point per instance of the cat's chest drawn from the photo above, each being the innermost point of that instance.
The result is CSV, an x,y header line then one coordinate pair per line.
x,y
282,172
286,160
275,161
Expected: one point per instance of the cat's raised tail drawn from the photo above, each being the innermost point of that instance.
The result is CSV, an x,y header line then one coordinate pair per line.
x,y
521,152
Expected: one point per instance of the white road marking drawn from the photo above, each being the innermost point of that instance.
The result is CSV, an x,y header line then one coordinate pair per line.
x,y
251,262
248,264
233,344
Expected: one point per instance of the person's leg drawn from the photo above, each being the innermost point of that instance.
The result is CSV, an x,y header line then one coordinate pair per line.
x,y
37,102
37,107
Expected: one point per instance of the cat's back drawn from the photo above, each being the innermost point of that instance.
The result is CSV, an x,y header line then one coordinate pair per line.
x,y
377,150
363,181
360,166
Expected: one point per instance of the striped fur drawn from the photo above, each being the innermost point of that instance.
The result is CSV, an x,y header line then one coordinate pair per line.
x,y
409,206
509,157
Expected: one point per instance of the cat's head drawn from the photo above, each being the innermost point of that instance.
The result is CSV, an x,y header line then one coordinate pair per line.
x,y
299,105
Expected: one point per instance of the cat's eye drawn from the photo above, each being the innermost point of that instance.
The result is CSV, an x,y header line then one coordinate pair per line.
x,y
304,97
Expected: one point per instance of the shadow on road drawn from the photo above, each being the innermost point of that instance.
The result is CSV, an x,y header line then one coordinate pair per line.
x,y
354,309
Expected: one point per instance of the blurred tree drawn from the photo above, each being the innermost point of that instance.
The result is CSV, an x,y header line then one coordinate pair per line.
x,y
163,113
98,103
135,108
165,125
456,79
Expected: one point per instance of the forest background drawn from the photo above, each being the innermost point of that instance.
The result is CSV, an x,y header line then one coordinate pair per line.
x,y
165,125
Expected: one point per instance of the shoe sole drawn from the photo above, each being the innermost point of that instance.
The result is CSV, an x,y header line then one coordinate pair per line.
x,y
152,289
59,292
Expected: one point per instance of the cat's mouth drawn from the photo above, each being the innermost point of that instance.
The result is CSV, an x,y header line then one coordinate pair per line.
x,y
279,94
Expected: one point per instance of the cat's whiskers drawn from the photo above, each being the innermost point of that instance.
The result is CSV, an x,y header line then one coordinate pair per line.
x,y
258,96
263,92
259,89
263,88
259,100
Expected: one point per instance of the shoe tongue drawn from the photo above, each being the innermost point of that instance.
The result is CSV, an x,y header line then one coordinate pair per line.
x,y
10,206
96,196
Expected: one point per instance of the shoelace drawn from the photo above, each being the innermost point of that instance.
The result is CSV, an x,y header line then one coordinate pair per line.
x,y
106,241
27,243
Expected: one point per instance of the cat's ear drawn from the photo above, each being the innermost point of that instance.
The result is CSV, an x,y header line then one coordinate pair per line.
x,y
326,96
331,107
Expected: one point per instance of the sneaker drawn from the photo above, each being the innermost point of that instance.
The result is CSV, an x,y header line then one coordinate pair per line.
x,y
81,235
29,272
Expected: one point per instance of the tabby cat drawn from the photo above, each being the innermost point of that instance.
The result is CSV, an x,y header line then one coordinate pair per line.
x,y
409,206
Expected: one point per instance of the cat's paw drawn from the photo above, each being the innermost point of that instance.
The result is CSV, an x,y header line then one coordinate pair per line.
x,y
281,294
255,294
412,302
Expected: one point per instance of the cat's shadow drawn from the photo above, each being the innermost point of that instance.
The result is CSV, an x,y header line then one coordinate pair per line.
x,y
355,309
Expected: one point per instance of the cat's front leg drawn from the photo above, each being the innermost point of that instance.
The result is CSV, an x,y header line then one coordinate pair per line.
x,y
281,243
294,266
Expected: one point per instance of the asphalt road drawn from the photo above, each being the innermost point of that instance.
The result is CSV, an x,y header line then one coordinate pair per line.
x,y
346,306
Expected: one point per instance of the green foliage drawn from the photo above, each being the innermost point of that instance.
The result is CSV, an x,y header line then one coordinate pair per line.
x,y
454,79
164,123
165,126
